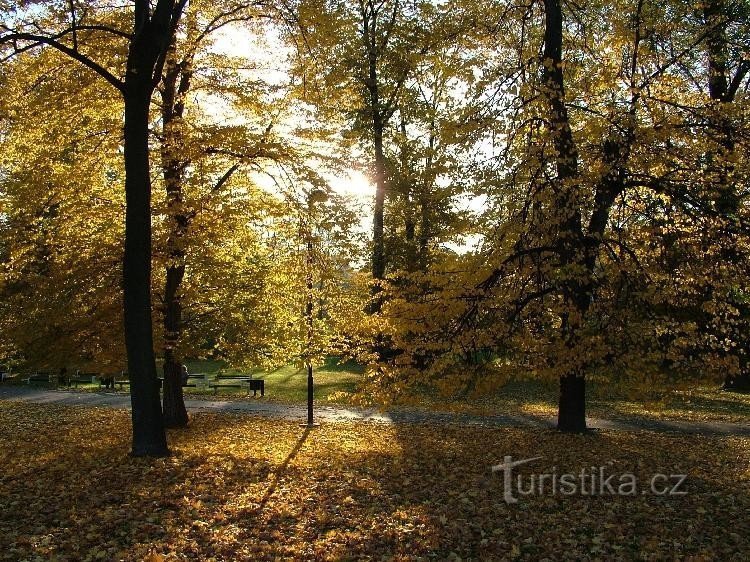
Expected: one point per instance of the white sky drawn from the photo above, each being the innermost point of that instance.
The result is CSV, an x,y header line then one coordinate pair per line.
x,y
268,55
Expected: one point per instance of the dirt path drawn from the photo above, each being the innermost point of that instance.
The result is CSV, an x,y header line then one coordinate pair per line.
x,y
342,414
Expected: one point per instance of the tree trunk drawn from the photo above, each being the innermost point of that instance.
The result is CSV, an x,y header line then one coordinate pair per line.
x,y
378,118
425,197
727,197
410,227
571,413
149,438
571,240
738,383
175,413
175,85
378,240
152,31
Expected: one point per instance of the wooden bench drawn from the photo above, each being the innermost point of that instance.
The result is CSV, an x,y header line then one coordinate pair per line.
x,y
126,382
197,380
38,377
239,381
82,378
122,382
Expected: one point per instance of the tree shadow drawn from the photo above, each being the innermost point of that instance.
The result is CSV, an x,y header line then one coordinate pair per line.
x,y
242,487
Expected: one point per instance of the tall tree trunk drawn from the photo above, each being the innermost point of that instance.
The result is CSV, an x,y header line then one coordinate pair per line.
x,y
716,15
572,403
175,85
427,184
410,227
378,236
378,119
149,438
152,32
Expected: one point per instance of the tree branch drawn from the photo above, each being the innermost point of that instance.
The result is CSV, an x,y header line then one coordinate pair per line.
x,y
38,40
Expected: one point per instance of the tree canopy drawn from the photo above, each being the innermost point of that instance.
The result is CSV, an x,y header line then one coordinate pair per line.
x,y
558,191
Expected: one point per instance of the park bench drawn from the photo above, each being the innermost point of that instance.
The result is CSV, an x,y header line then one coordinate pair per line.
x,y
38,377
197,380
122,382
82,378
239,381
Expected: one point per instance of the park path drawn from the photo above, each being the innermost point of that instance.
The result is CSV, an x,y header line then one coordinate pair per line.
x,y
38,395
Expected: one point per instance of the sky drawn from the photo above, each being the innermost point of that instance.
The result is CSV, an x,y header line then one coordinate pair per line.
x,y
268,55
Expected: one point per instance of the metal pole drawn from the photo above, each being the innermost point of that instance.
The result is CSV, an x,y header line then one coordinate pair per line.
x,y
313,197
309,317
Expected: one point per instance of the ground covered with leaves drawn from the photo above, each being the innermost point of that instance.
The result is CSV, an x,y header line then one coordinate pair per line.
x,y
245,488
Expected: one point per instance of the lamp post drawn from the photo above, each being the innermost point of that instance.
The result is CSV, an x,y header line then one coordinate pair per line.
x,y
315,196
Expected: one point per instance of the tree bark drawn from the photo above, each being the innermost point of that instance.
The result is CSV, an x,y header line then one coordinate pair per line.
x,y
728,200
149,438
175,85
152,32
379,117
378,236
571,241
571,411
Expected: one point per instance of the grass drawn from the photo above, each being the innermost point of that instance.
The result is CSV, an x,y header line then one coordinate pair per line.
x,y
288,384
248,488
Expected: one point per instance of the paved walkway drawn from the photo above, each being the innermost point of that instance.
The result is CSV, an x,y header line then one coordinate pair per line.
x,y
341,414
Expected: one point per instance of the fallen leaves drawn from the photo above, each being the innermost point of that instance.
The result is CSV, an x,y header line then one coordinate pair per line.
x,y
245,488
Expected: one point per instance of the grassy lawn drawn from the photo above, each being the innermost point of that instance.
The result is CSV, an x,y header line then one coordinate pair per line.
x,y
246,488
288,384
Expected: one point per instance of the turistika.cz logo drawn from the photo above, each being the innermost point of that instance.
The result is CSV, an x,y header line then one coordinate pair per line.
x,y
589,481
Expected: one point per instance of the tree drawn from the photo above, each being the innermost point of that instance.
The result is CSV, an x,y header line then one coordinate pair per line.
x,y
600,151
147,43
177,155
368,62
60,282
724,83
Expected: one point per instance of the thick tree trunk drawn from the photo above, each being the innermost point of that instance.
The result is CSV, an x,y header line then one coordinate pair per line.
x,y
378,119
728,200
571,240
175,413
152,31
149,438
571,412
738,383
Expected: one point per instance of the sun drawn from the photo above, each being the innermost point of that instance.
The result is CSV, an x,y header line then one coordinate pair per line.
x,y
354,183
